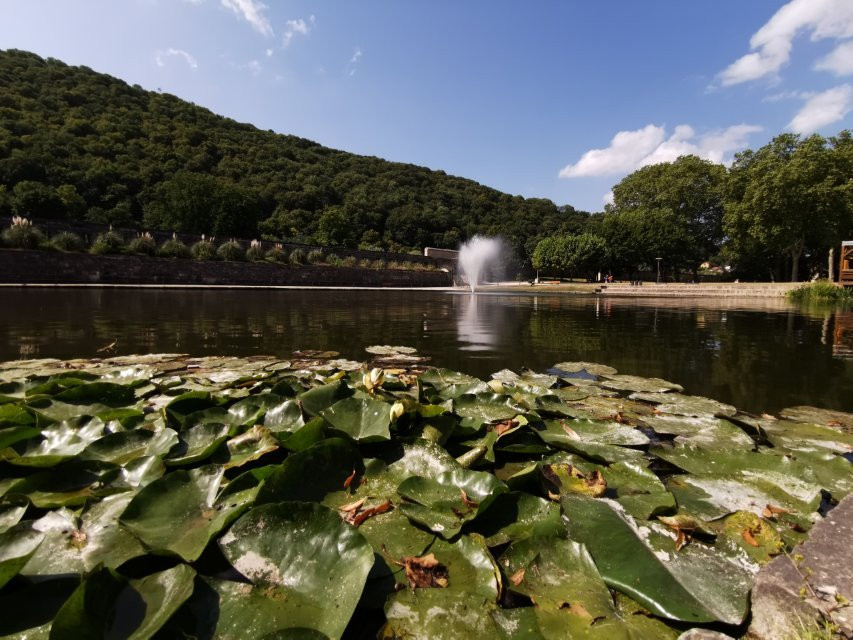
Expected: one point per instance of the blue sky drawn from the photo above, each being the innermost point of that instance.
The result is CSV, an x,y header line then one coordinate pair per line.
x,y
554,99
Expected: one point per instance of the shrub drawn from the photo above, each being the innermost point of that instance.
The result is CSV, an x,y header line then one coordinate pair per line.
x,y
276,254
349,261
315,256
174,248
297,257
67,241
143,244
21,234
379,263
231,251
204,249
107,242
395,264
364,263
333,260
821,291
255,253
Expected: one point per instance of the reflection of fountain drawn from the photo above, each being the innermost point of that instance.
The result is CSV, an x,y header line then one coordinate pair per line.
x,y
477,334
474,255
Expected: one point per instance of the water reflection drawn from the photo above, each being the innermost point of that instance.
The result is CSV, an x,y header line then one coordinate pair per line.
x,y
759,355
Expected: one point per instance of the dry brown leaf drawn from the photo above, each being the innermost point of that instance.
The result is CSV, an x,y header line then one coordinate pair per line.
x,y
518,577
771,511
360,517
468,502
502,427
680,540
569,431
620,418
352,506
424,572
554,496
746,534
349,479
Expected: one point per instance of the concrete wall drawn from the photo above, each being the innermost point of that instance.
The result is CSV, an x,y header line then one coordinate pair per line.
x,y
32,267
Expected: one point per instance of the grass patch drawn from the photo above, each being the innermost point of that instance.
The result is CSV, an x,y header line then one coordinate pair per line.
x,y
821,291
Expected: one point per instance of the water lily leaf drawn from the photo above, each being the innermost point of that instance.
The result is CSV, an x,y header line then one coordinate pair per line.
x,y
327,464
198,443
306,436
78,544
825,417
71,483
516,516
140,472
179,513
248,411
13,435
486,407
694,584
306,566
120,448
441,378
89,610
144,605
704,431
251,445
682,405
108,393
596,432
622,382
10,515
713,496
59,442
436,614
638,490
13,415
16,548
590,368
450,499
181,407
385,350
570,440
285,417
363,419
315,400
799,436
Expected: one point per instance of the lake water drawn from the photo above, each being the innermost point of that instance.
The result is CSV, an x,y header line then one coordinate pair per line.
x,y
759,356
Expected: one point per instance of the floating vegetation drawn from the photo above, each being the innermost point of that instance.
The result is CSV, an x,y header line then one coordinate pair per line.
x,y
170,496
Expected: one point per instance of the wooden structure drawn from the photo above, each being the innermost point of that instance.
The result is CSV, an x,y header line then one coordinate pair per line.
x,y
842,343
845,277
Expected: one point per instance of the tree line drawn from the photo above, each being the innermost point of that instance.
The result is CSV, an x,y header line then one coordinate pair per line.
x,y
82,146
775,214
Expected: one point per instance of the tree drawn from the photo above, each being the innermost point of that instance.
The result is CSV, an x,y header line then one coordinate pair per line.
x,y
790,197
570,255
691,188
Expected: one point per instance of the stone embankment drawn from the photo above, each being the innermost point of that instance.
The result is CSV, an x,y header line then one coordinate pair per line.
x,y
704,290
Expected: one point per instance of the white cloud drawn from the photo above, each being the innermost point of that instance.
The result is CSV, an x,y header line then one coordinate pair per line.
x,y
771,44
787,95
356,56
269,53
608,197
630,150
254,67
161,55
823,109
252,11
840,61
300,26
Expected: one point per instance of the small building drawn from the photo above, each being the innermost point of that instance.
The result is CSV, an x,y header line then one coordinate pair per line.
x,y
846,274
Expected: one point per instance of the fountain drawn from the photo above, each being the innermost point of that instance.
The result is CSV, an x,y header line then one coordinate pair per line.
x,y
474,255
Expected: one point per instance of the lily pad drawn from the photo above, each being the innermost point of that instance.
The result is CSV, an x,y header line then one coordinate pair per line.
x,y
591,368
385,350
315,400
693,585
486,407
622,382
179,513
16,548
363,419
517,516
285,417
198,443
307,570
78,544
120,448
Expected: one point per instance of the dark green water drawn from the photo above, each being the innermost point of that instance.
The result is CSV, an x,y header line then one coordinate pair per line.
x,y
759,356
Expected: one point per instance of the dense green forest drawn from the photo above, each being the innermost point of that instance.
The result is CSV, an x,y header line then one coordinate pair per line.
x,y
80,145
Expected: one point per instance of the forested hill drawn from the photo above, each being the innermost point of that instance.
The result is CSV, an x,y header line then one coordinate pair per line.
x,y
82,145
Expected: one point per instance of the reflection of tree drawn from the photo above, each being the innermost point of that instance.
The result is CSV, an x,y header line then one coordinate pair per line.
x,y
759,360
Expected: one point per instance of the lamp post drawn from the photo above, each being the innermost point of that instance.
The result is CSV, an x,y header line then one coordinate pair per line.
x,y
658,259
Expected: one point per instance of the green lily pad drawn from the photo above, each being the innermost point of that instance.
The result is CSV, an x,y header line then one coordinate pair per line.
x,y
89,611
516,516
285,417
825,417
179,513
622,382
315,400
120,448
249,411
486,407
198,443
682,405
327,463
78,544
441,378
249,446
363,419
385,350
16,548
10,515
34,606
71,483
592,368
799,436
59,442
450,499
306,566
144,605
705,431
694,584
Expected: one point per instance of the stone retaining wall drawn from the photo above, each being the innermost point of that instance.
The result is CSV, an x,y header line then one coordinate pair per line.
x,y
47,267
